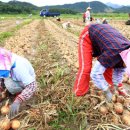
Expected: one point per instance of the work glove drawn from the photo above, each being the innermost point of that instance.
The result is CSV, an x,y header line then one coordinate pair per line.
x,y
14,109
108,95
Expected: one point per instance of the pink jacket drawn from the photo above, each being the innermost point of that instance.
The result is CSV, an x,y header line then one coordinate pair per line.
x,y
125,55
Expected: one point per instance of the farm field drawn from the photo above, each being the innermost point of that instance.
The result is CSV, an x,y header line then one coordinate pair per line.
x,y
53,52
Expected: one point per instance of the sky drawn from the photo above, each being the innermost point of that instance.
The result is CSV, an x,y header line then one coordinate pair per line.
x,y
61,2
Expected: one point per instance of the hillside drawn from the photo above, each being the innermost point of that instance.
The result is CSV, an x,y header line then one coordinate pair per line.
x,y
17,7
81,6
124,9
115,6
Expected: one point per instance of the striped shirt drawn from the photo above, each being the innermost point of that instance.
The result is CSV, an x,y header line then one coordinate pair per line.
x,y
107,43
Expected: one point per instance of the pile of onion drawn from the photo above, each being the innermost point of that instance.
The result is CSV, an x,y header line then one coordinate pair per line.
x,y
5,108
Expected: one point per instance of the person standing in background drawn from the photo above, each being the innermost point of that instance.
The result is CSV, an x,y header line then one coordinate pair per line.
x,y
87,14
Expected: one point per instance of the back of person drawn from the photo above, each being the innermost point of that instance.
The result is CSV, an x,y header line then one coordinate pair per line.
x,y
104,37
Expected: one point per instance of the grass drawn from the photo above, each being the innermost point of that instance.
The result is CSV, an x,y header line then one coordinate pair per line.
x,y
68,120
116,16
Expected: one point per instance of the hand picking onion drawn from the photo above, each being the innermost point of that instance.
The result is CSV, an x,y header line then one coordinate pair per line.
x,y
103,110
15,124
118,108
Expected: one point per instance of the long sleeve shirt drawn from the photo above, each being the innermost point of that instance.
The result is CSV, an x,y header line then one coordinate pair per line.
x,y
20,70
107,43
27,93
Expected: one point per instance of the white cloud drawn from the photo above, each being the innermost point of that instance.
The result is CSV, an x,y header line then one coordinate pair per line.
x,y
60,2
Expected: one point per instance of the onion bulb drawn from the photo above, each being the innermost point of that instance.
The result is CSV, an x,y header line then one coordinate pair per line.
x,y
126,119
126,112
3,94
110,105
120,99
15,124
103,110
99,93
114,98
127,102
115,119
128,81
5,108
5,124
125,78
118,108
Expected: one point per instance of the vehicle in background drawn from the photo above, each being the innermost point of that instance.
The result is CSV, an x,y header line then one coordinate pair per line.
x,y
47,13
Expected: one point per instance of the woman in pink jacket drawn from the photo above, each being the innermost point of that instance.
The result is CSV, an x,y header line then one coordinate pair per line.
x,y
18,77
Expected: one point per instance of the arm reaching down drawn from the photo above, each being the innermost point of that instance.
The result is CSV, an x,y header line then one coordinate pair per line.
x,y
27,93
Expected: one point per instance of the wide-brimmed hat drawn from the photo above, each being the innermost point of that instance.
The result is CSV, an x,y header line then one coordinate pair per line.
x,y
89,8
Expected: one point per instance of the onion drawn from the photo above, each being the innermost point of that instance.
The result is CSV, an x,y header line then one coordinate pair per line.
x,y
114,98
5,108
15,124
99,93
5,124
127,102
126,112
92,91
94,101
102,97
3,94
120,99
125,79
126,119
103,110
110,105
128,81
115,119
118,108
